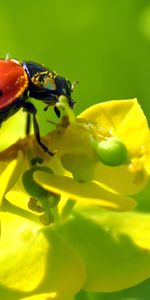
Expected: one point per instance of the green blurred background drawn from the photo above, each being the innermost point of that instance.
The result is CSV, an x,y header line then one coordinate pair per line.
x,y
105,44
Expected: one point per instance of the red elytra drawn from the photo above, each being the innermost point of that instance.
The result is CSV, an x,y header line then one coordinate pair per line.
x,y
13,82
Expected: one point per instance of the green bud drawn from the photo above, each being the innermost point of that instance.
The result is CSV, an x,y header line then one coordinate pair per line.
x,y
35,205
112,152
47,218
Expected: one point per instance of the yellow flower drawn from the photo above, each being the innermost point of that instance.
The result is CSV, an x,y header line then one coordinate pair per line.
x,y
100,157
87,171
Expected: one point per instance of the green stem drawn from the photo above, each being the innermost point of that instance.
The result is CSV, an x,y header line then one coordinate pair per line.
x,y
64,104
13,209
67,209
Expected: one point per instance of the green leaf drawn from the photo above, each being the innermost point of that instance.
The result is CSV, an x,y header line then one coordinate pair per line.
x,y
114,246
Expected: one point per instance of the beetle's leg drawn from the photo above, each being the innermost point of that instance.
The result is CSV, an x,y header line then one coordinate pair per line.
x,y
37,135
30,108
57,112
28,124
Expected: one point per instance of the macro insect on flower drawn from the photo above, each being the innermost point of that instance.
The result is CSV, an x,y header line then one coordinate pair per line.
x,y
19,81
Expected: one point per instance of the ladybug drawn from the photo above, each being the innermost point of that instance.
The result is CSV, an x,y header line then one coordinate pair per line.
x,y
20,81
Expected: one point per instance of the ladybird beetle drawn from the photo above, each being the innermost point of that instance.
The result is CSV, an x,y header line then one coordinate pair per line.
x,y
20,81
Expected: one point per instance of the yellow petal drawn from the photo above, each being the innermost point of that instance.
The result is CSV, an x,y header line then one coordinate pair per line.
x,y
123,118
44,296
9,176
88,192
34,260
121,179
12,130
21,253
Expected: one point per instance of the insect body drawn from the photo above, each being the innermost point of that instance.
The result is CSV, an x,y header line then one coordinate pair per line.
x,y
19,81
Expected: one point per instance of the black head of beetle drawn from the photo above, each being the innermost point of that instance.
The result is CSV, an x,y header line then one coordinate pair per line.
x,y
46,85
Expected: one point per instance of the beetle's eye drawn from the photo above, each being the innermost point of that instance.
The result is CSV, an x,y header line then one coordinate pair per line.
x,y
44,80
